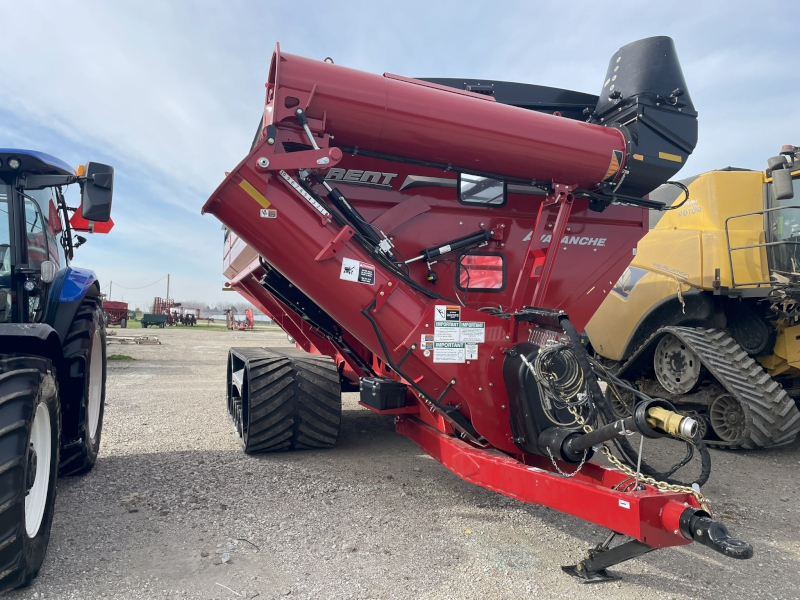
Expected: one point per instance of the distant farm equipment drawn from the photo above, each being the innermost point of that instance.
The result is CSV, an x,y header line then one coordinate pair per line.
x,y
246,324
116,313
153,320
174,313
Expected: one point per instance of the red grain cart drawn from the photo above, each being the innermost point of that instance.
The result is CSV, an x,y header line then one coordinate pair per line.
x,y
116,313
442,248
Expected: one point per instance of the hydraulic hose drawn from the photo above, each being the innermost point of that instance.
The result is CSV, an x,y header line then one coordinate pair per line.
x,y
628,453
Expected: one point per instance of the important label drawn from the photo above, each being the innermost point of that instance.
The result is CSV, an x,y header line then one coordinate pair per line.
x,y
459,331
454,352
360,272
447,331
446,352
269,213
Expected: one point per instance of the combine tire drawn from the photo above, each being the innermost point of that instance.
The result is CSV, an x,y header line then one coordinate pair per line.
x,y
283,399
30,426
84,393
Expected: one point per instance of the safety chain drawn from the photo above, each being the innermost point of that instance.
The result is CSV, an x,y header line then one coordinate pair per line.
x,y
575,472
661,485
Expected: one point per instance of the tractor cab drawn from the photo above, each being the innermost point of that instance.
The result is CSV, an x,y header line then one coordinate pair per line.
x,y
37,240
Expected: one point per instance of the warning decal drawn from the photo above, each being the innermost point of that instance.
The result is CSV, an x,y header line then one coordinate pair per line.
x,y
616,163
447,313
426,343
269,213
360,272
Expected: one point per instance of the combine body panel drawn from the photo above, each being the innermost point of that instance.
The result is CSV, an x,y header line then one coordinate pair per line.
x,y
439,238
723,261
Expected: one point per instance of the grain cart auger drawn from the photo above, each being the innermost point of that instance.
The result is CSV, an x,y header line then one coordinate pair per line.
x,y
429,243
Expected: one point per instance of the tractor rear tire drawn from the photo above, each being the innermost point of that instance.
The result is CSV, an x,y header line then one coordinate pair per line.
x,y
287,400
84,393
30,428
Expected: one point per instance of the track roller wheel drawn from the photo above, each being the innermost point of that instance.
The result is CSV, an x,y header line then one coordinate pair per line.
x,y
728,419
283,399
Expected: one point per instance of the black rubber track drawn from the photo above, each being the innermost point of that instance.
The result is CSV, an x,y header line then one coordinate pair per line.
x,y
78,451
771,415
292,400
24,382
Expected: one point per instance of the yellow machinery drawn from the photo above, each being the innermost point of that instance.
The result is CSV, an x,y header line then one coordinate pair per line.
x,y
708,313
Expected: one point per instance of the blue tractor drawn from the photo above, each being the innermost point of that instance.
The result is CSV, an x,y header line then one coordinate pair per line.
x,y
52,348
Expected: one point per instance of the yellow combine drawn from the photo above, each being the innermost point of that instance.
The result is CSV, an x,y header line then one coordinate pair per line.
x,y
708,313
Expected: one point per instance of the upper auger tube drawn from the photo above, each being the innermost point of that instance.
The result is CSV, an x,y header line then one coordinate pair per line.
x,y
639,135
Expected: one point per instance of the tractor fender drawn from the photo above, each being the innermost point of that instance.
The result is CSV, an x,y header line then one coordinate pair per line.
x,y
71,286
38,339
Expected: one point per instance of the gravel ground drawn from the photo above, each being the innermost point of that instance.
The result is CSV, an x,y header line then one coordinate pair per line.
x,y
174,509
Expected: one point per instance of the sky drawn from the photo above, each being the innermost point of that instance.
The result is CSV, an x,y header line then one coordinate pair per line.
x,y
170,93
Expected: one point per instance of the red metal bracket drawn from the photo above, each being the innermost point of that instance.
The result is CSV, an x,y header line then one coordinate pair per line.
x,y
562,196
337,243
324,158
383,294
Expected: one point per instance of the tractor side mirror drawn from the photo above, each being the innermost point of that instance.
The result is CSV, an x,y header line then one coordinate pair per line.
x,y
782,184
776,162
96,192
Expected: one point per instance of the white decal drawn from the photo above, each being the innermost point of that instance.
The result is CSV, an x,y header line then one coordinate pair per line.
x,y
360,272
448,352
269,213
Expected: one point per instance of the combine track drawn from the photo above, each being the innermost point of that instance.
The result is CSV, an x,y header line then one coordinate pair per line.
x,y
771,416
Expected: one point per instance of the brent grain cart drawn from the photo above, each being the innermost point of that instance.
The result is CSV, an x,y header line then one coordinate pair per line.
x,y
116,313
440,247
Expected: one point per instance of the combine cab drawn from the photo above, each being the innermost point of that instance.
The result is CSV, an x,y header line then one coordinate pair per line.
x,y
438,244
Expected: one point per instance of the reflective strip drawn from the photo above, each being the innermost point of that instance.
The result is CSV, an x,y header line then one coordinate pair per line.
x,y
254,193
668,156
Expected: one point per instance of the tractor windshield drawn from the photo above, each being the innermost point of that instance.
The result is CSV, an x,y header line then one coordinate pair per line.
x,y
785,227
5,255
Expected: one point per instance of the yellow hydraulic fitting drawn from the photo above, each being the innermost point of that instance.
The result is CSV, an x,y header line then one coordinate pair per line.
x,y
671,422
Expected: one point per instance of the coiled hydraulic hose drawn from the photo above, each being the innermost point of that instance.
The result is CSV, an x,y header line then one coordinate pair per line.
x,y
630,455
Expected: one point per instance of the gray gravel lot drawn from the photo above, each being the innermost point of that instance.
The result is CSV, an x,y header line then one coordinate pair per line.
x,y
174,509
